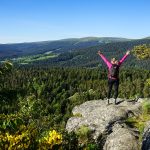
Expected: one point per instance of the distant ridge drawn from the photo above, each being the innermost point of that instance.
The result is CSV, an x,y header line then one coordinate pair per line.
x,y
97,38
64,45
73,52
147,37
90,38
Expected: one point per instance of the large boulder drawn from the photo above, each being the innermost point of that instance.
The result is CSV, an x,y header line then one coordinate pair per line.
x,y
99,116
121,138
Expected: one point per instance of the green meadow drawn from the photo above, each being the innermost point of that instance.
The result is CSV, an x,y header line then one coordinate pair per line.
x,y
33,58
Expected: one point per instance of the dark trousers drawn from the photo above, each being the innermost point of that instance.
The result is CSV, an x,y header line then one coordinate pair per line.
x,y
112,82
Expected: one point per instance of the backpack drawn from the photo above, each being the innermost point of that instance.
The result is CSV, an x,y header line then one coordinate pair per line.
x,y
114,71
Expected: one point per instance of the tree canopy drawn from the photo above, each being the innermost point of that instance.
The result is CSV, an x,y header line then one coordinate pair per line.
x,y
142,51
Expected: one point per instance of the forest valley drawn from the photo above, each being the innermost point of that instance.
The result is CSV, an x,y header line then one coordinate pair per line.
x,y
36,102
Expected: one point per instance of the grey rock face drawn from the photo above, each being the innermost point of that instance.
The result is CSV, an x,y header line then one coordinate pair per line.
x,y
146,137
101,118
121,138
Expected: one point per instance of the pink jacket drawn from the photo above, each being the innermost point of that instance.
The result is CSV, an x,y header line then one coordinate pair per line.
x,y
108,63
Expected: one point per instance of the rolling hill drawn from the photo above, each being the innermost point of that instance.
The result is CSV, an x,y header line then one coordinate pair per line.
x,y
87,57
59,46
73,52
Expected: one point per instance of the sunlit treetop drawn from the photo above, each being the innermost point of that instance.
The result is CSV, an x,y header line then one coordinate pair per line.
x,y
5,67
141,51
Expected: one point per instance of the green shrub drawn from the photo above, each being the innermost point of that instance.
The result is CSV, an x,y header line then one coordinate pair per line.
x,y
84,135
146,107
10,122
139,121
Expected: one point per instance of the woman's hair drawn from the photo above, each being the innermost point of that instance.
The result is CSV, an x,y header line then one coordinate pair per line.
x,y
113,59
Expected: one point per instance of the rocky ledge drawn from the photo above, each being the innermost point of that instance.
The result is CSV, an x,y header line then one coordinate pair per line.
x,y
107,123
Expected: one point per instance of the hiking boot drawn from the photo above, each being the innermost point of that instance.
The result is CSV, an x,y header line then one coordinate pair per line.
x,y
115,101
108,101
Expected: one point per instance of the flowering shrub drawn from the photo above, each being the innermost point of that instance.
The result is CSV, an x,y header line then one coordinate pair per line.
x,y
15,142
18,134
14,134
22,139
52,140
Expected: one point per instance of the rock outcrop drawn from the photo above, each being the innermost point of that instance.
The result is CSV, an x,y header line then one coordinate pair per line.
x,y
121,138
107,122
146,137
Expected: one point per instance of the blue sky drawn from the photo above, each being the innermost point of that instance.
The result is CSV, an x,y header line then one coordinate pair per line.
x,y
40,20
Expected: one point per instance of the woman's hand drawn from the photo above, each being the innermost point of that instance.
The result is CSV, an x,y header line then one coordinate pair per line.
x,y
128,52
99,52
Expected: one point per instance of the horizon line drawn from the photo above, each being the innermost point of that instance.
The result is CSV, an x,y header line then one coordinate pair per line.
x,y
21,42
